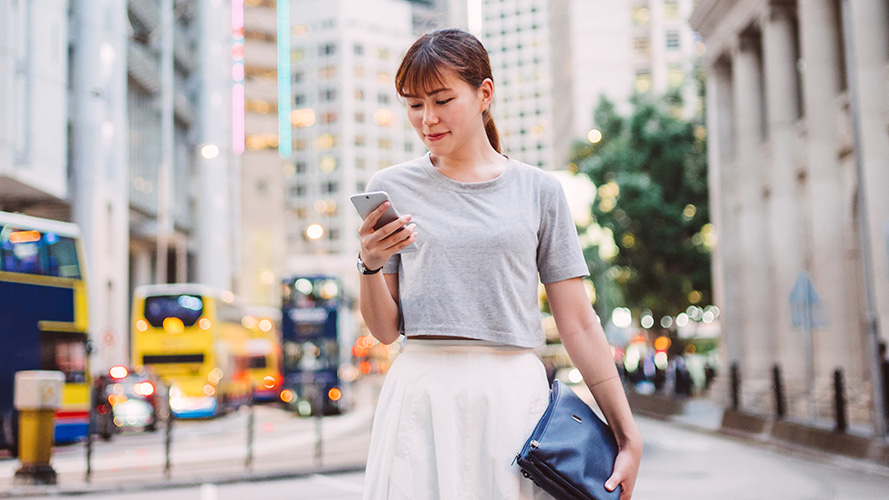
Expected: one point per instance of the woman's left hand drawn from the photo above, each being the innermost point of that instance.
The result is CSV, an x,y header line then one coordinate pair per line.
x,y
626,467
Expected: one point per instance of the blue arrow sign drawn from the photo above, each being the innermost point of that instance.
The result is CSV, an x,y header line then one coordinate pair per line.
x,y
806,308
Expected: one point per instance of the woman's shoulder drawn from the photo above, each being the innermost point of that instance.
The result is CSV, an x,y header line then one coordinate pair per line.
x,y
536,175
401,171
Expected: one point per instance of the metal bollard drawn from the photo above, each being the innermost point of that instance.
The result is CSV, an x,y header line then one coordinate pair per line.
x,y
168,440
250,422
780,410
735,376
839,400
37,395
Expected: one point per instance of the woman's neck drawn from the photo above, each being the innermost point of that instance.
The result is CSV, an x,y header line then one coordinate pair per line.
x,y
480,165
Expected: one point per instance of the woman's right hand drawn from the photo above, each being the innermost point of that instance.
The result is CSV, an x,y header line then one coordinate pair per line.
x,y
378,246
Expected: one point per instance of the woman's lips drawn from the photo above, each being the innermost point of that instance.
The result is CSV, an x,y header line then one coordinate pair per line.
x,y
436,137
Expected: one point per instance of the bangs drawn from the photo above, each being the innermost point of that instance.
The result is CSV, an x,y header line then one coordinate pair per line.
x,y
421,73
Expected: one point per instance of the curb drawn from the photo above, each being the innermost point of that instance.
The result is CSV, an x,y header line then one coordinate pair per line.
x,y
86,489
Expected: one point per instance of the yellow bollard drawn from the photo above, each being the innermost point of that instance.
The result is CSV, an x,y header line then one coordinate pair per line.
x,y
37,395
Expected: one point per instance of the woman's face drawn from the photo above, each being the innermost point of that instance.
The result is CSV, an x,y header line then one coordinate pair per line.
x,y
450,116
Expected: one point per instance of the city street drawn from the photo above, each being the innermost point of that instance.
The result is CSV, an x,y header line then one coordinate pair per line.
x,y
677,463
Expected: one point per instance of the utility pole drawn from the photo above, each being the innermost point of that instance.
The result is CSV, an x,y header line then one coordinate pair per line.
x,y
877,393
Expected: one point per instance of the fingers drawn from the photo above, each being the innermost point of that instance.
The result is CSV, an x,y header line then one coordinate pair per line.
x,y
613,481
401,238
371,220
377,247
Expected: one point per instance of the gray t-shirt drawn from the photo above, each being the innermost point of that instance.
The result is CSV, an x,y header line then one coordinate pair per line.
x,y
480,248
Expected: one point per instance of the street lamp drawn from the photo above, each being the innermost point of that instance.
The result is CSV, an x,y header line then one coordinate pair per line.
x,y
315,231
209,151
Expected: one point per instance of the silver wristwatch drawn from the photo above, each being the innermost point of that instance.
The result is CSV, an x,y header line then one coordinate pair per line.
x,y
364,270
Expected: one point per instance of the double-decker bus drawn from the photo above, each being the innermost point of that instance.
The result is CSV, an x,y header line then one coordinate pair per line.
x,y
43,318
264,351
191,335
314,327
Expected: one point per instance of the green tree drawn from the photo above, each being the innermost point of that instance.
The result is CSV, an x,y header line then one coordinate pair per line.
x,y
650,170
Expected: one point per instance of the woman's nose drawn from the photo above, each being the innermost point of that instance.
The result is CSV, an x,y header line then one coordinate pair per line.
x,y
429,117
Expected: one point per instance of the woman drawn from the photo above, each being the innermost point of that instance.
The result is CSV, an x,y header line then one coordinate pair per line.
x,y
467,390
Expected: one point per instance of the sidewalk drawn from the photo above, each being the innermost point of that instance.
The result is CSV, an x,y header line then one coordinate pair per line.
x,y
815,441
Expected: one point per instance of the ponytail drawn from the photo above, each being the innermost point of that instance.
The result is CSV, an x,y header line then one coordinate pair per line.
x,y
491,130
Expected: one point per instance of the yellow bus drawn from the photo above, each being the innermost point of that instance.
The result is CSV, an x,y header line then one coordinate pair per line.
x,y
264,349
43,318
191,335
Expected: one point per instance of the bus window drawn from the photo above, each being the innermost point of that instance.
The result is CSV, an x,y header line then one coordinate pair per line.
x,y
188,308
67,355
256,362
62,256
33,252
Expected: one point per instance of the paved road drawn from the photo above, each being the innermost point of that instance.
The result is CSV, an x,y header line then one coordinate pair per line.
x,y
678,464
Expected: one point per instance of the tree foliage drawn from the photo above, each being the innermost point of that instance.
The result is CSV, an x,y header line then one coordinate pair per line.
x,y
650,170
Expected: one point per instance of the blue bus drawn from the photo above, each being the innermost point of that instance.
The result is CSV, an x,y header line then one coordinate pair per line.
x,y
43,318
312,330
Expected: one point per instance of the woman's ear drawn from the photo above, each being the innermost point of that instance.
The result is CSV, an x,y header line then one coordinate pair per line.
x,y
486,92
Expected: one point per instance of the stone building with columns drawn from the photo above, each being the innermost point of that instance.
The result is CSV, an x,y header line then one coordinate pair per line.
x,y
785,196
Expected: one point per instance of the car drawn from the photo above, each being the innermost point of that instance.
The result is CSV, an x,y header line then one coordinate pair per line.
x,y
138,399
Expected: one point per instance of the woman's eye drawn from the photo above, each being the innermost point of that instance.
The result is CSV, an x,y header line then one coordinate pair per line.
x,y
444,102
415,106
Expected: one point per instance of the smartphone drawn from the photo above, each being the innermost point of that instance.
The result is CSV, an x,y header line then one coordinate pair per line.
x,y
366,203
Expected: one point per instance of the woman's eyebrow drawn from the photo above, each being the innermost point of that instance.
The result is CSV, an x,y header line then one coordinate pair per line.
x,y
436,91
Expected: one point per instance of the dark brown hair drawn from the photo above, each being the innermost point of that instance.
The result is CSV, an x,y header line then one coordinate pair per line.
x,y
450,49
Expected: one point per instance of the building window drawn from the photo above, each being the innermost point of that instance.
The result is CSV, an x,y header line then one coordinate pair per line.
x,y
642,46
641,17
675,75
385,144
299,191
327,72
299,145
643,81
383,98
408,147
360,163
359,72
328,95
672,40
328,49
333,234
359,117
360,187
359,49
360,140
671,8
301,167
329,187
328,118
383,54
299,100
359,95
298,77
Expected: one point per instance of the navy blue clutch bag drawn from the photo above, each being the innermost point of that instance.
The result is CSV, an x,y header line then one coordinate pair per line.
x,y
571,451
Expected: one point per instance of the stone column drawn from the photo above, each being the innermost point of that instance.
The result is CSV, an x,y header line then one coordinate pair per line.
x,y
752,224
784,210
724,208
870,29
829,209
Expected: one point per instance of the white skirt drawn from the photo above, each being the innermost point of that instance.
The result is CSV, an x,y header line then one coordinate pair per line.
x,y
450,420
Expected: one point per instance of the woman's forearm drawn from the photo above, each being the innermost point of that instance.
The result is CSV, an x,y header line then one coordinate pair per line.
x,y
379,308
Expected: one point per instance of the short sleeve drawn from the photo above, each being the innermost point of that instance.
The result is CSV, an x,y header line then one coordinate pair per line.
x,y
559,256
391,267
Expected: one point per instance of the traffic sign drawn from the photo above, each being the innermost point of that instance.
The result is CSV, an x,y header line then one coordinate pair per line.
x,y
806,308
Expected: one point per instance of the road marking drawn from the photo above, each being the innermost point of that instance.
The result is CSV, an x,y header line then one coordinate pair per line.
x,y
338,484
